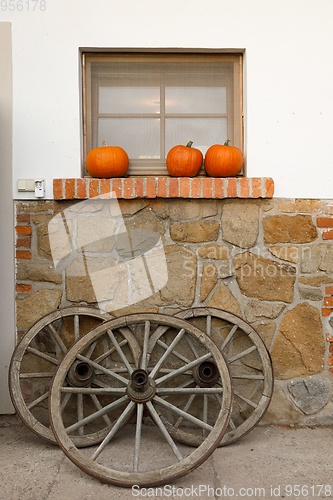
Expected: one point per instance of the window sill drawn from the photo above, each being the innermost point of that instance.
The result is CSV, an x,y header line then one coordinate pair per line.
x,y
164,187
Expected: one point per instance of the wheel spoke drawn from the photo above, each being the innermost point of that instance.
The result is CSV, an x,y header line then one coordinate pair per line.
x,y
242,354
119,422
56,338
186,408
208,324
205,414
64,402
76,327
182,413
102,369
109,352
232,425
246,400
194,390
176,353
137,437
144,360
97,414
38,400
119,351
42,355
183,369
36,375
107,391
248,377
229,336
167,352
162,428
91,349
79,404
100,407
193,349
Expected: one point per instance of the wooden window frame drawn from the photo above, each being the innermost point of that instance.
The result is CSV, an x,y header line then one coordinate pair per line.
x,y
143,167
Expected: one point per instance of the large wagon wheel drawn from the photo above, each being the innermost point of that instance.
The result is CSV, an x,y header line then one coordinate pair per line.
x,y
118,459
34,362
250,365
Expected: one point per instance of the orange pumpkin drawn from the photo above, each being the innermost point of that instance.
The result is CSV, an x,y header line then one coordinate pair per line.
x,y
184,161
107,161
223,161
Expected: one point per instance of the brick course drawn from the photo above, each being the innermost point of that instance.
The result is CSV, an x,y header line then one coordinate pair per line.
x,y
164,187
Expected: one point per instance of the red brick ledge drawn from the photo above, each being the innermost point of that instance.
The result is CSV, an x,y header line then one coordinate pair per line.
x,y
164,187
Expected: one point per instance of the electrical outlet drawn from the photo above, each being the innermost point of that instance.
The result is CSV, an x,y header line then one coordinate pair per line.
x,y
39,188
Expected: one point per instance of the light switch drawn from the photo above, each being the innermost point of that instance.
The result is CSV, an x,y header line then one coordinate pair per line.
x,y
25,185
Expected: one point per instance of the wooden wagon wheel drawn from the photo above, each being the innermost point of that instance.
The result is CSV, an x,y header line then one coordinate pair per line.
x,y
34,362
118,459
250,365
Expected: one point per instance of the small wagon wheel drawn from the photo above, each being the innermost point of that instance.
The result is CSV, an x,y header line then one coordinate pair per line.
x,y
35,359
118,458
250,365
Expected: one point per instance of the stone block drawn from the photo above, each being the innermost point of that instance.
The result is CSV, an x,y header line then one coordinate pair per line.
x,y
266,332
38,304
27,271
289,229
146,219
315,280
182,275
255,311
299,348
301,206
195,232
240,223
281,410
317,258
208,280
222,298
286,252
184,209
131,207
79,287
264,279
310,395
308,293
214,252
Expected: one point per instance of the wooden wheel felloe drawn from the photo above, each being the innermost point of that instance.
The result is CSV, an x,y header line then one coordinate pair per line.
x,y
250,366
155,384
34,362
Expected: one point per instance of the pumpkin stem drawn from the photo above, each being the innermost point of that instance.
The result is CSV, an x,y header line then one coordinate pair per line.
x,y
104,143
189,144
226,142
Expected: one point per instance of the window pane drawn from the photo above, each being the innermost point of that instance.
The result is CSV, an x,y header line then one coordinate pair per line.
x,y
139,137
204,132
131,100
195,100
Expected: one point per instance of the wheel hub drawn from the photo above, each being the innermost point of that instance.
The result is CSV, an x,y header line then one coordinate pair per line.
x,y
81,374
206,374
141,387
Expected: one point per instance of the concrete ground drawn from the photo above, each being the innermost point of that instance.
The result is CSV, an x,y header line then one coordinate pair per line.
x,y
270,462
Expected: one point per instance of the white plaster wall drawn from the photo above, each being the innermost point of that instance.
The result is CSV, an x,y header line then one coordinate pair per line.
x,y
287,80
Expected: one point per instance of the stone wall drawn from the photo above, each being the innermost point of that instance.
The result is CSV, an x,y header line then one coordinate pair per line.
x,y
269,261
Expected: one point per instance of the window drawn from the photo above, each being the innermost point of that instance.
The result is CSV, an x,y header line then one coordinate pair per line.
x,y
148,102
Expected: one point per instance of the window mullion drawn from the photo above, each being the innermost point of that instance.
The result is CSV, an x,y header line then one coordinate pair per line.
x,y
162,117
